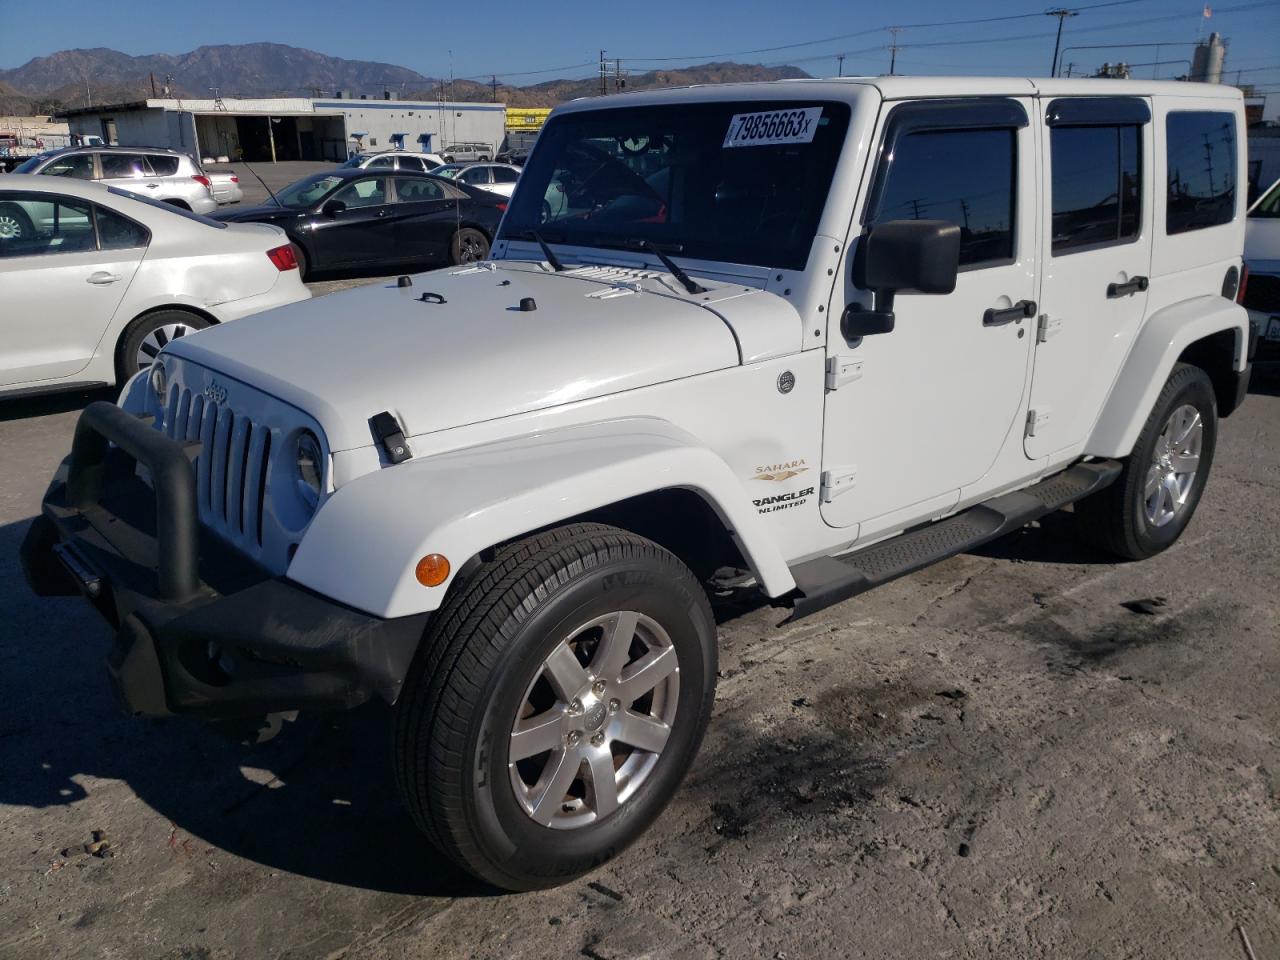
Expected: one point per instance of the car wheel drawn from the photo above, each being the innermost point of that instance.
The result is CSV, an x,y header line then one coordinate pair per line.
x,y
301,256
147,335
14,223
556,703
483,160
468,246
1153,500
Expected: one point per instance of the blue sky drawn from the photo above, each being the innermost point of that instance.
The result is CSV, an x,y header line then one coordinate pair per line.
x,y
521,39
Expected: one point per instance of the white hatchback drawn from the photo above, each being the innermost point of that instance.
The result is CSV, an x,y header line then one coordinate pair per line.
x,y
94,281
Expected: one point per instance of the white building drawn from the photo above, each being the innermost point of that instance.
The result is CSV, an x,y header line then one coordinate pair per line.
x,y
290,128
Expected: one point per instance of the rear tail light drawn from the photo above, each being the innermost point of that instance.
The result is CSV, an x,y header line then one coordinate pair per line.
x,y
1244,283
501,206
283,258
234,178
200,178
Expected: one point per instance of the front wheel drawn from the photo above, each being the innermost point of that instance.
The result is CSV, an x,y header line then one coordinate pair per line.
x,y
556,704
1148,507
468,246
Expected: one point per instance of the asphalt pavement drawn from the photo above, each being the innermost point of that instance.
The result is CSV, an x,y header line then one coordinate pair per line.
x,y
1026,751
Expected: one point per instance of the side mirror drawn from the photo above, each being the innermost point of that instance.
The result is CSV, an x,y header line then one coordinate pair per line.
x,y
333,208
919,255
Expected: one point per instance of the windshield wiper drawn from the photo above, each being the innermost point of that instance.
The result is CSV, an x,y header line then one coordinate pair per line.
x,y
691,285
547,252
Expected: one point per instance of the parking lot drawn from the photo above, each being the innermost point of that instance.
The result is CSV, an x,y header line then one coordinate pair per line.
x,y
1024,751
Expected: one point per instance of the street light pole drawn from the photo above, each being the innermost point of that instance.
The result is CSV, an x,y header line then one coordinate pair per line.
x,y
1061,13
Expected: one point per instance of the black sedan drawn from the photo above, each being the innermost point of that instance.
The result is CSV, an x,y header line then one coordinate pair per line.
x,y
365,219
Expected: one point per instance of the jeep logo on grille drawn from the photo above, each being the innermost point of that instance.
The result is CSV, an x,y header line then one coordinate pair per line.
x,y
215,392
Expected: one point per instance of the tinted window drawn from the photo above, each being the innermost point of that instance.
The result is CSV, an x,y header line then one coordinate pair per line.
x,y
475,176
965,176
163,166
78,166
412,163
364,193
414,190
119,233
122,165
36,224
664,174
505,175
1097,185
1201,157
382,162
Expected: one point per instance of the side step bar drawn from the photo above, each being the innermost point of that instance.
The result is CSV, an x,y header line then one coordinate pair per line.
x,y
825,581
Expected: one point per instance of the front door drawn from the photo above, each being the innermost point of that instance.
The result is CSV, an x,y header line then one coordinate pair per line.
x,y
1097,246
361,232
917,413
58,290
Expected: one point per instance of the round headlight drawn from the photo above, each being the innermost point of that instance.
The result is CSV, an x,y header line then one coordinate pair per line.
x,y
309,468
159,380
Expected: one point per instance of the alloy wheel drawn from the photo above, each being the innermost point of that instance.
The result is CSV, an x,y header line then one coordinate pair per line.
x,y
10,227
156,339
594,721
1174,464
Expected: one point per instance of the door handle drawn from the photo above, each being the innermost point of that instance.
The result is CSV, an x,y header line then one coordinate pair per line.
x,y
1136,285
102,278
1019,311
153,186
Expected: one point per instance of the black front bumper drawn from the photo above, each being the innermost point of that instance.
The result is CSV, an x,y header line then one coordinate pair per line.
x,y
200,629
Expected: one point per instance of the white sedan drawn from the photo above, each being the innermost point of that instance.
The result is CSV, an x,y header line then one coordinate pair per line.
x,y
494,177
94,281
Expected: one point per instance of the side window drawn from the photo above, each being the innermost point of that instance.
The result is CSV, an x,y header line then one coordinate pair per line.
x,y
1201,161
37,224
382,162
119,233
476,176
364,193
162,165
415,190
505,175
412,163
965,176
77,166
1096,185
123,166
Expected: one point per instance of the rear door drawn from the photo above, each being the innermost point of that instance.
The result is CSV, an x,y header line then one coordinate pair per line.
x,y
61,286
1097,241
425,219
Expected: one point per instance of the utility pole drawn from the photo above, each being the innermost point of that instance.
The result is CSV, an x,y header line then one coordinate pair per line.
x,y
618,82
1061,13
604,74
893,49
840,61
495,88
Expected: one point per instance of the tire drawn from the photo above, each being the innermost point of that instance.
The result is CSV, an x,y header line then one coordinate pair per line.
x,y
468,246
145,335
304,267
14,223
1144,511
484,662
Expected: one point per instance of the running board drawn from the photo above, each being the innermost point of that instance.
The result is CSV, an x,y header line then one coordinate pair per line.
x,y
829,580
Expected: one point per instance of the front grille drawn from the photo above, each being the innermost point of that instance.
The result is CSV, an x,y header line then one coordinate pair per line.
x,y
231,467
1263,293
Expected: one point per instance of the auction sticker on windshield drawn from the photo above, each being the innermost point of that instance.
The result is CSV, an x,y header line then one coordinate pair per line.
x,y
772,126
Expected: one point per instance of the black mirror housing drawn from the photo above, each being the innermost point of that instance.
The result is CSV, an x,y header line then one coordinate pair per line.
x,y
918,255
332,208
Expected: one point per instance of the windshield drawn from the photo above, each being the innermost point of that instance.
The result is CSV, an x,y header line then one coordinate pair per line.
x,y
449,170
29,166
306,193
737,182
1269,206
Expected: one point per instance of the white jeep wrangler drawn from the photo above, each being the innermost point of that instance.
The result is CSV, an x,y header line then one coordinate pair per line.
x,y
804,336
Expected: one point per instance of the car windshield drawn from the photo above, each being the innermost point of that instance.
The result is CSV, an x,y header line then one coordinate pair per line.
x,y
1269,206
29,166
738,182
307,192
166,207
449,170
356,159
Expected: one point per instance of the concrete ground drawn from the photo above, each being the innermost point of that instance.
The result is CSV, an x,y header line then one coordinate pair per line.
x,y
1027,751
260,180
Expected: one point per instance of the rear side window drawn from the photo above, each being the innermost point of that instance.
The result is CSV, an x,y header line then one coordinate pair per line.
x,y
121,166
163,166
965,176
418,189
505,175
119,233
1201,158
1097,185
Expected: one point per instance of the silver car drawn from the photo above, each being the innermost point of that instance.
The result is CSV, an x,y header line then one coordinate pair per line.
x,y
155,172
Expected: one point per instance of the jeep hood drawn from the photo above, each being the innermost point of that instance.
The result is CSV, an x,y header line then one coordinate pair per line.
x,y
457,348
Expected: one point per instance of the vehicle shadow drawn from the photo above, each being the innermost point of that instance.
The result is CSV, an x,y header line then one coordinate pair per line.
x,y
49,404
319,800
1265,380
1051,539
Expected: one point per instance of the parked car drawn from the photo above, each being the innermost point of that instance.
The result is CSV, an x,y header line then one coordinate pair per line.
x,y
161,174
1262,257
356,218
467,153
225,188
804,337
95,281
396,160
494,177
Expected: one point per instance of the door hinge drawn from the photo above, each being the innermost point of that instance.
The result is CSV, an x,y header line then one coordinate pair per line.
x,y
1047,327
842,370
1037,420
838,481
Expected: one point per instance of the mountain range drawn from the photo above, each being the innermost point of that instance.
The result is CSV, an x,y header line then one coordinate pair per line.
x,y
73,78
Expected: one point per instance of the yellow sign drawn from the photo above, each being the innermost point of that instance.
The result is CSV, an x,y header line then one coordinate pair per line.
x,y
528,119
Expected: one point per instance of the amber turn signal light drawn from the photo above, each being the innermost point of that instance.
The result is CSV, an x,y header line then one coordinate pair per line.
x,y
432,570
